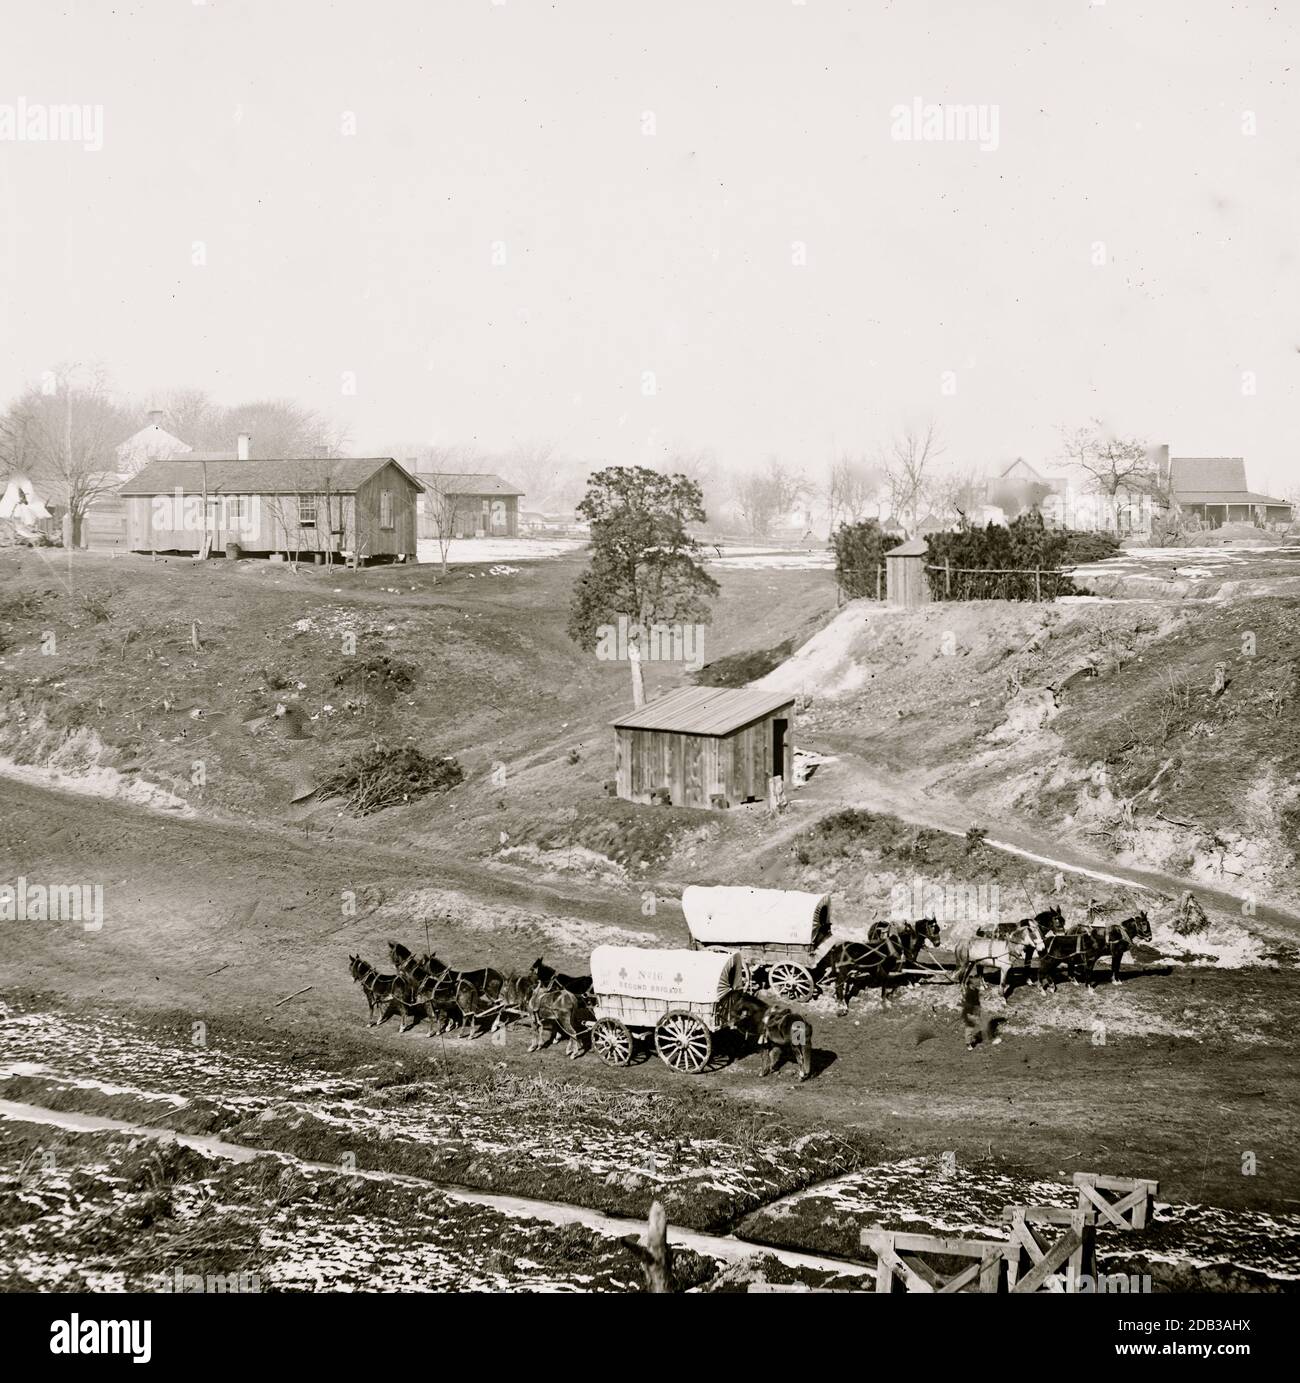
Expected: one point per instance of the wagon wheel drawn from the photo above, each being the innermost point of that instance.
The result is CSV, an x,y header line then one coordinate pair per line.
x,y
747,981
683,1042
612,1041
791,981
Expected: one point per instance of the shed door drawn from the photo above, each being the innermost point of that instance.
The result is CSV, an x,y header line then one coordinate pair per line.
x,y
779,730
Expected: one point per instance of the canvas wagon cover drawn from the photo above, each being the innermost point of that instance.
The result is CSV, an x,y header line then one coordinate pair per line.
x,y
753,916
682,977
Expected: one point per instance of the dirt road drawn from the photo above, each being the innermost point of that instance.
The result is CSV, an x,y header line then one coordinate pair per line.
x,y
1172,1074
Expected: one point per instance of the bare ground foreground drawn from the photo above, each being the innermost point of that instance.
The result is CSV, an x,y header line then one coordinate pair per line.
x,y
222,898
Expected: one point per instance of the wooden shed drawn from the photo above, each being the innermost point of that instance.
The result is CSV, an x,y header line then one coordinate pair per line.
x,y
907,582
706,746
344,506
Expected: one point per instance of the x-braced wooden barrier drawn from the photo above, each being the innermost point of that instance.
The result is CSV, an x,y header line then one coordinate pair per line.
x,y
901,1259
1048,1238
1131,1208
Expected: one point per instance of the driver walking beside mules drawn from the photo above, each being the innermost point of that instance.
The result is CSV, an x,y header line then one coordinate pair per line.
x,y
978,1027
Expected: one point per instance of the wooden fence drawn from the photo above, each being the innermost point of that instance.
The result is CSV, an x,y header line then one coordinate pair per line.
x,y
1044,1243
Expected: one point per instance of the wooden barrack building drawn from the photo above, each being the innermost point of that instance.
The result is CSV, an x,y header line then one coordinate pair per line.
x,y
705,746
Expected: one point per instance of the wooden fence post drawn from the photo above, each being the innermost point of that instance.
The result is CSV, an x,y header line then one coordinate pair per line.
x,y
947,578
1038,585
879,569
653,1253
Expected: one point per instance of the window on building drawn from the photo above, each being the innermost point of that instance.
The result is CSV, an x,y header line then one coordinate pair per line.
x,y
385,509
306,511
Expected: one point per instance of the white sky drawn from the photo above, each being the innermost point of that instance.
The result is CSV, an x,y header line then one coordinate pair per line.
x,y
522,123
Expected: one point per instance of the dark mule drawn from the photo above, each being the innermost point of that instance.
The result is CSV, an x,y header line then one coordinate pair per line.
x,y
471,989
779,1031
911,936
1076,951
856,963
575,984
384,993
550,1008
1117,938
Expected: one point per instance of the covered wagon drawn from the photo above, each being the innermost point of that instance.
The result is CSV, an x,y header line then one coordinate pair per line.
x,y
675,994
781,934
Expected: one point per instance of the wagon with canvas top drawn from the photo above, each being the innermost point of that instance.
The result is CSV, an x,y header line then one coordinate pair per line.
x,y
672,994
780,934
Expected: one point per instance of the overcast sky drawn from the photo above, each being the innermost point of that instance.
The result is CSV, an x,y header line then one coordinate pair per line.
x,y
519,130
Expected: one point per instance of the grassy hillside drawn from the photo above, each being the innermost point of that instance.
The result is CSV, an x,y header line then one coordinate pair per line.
x,y
99,674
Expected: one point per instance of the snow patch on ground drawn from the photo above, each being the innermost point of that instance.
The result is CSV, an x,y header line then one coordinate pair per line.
x,y
483,551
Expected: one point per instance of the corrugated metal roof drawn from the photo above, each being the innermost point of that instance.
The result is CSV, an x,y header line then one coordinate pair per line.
x,y
467,483
705,710
1197,473
304,475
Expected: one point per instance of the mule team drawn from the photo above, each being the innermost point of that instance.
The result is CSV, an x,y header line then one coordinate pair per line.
x,y
472,1001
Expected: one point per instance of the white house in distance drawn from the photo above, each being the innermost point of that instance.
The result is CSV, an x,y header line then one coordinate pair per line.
x,y
104,524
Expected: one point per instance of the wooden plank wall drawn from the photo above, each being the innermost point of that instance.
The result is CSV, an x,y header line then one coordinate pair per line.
x,y
696,768
906,581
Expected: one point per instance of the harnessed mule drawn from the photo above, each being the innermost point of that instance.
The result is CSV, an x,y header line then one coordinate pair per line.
x,y
1049,922
1077,951
575,984
1118,937
778,1031
383,992
1002,951
853,963
551,1007
911,936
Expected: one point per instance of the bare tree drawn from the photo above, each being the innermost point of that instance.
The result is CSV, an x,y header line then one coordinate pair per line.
x,y
280,428
853,484
67,431
1113,463
445,509
954,495
907,462
763,497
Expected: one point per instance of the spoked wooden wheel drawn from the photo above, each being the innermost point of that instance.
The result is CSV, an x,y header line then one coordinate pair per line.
x,y
791,981
747,981
612,1041
683,1042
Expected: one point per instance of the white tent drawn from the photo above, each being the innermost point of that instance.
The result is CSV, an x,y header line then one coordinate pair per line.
x,y
21,502
755,916
678,977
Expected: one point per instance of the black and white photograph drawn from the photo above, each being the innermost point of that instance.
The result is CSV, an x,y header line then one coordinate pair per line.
x,y
649,649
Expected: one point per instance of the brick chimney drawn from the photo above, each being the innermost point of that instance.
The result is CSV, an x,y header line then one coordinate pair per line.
x,y
245,446
155,416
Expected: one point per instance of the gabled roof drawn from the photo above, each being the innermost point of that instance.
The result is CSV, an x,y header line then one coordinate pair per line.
x,y
1203,473
914,547
340,475
705,710
467,483
1213,480
1228,497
